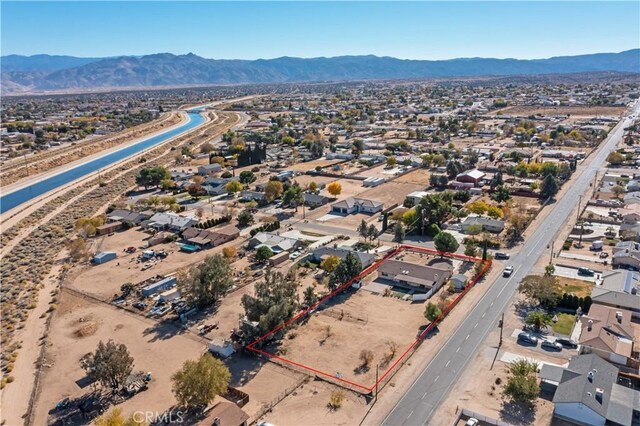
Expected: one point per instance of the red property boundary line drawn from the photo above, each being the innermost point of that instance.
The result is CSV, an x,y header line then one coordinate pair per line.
x,y
366,271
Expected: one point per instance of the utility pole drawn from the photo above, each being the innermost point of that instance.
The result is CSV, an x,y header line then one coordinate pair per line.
x,y
579,202
501,327
551,254
595,183
377,367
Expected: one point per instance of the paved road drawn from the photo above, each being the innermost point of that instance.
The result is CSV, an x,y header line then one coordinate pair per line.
x,y
434,383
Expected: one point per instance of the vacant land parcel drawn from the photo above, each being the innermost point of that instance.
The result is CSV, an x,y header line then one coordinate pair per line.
x,y
356,338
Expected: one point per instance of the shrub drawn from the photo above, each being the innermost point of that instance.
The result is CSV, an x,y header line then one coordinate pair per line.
x,y
432,230
336,400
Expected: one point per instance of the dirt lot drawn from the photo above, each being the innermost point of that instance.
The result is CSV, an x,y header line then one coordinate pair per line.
x,y
311,165
583,111
159,350
105,280
310,401
333,338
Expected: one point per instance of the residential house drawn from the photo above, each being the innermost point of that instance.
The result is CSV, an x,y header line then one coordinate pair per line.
x,y
618,289
166,221
277,243
474,177
491,225
428,278
356,205
208,169
123,215
416,196
321,253
630,214
206,238
224,413
588,393
626,253
315,200
253,196
608,333
459,281
632,198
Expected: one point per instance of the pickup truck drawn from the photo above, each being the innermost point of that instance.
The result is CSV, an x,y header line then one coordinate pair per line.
x,y
507,271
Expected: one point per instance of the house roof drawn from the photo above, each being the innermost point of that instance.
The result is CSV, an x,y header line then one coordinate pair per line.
x,y
485,221
473,174
603,329
276,243
228,413
577,386
364,258
126,215
315,198
351,202
413,273
171,219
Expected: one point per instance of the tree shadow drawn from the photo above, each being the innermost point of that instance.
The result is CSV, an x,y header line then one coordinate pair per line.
x,y
244,366
164,330
517,413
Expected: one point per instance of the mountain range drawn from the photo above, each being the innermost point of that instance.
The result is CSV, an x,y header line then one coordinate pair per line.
x,y
41,73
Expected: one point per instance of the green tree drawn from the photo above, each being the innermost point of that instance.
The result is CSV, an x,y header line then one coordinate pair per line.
x,y
247,177
205,283
501,194
275,302
470,248
540,289
549,187
363,229
245,218
398,233
549,270
309,296
263,253
358,147
445,242
152,176
313,188
197,383
538,319
432,312
348,268
293,196
435,208
109,365
522,384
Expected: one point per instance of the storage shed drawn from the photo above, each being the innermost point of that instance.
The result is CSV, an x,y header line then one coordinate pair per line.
x,y
160,286
104,257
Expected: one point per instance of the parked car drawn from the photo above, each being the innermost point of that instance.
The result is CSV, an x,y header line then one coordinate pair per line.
x,y
586,271
527,338
567,343
472,422
501,255
604,255
507,271
548,344
294,255
139,305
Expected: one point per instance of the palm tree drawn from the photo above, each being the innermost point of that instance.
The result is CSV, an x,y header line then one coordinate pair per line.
x,y
538,320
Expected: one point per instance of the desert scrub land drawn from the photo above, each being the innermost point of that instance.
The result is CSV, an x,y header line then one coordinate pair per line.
x,y
46,161
27,263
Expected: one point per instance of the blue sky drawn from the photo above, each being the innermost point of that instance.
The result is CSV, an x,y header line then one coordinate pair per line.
x,y
245,30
